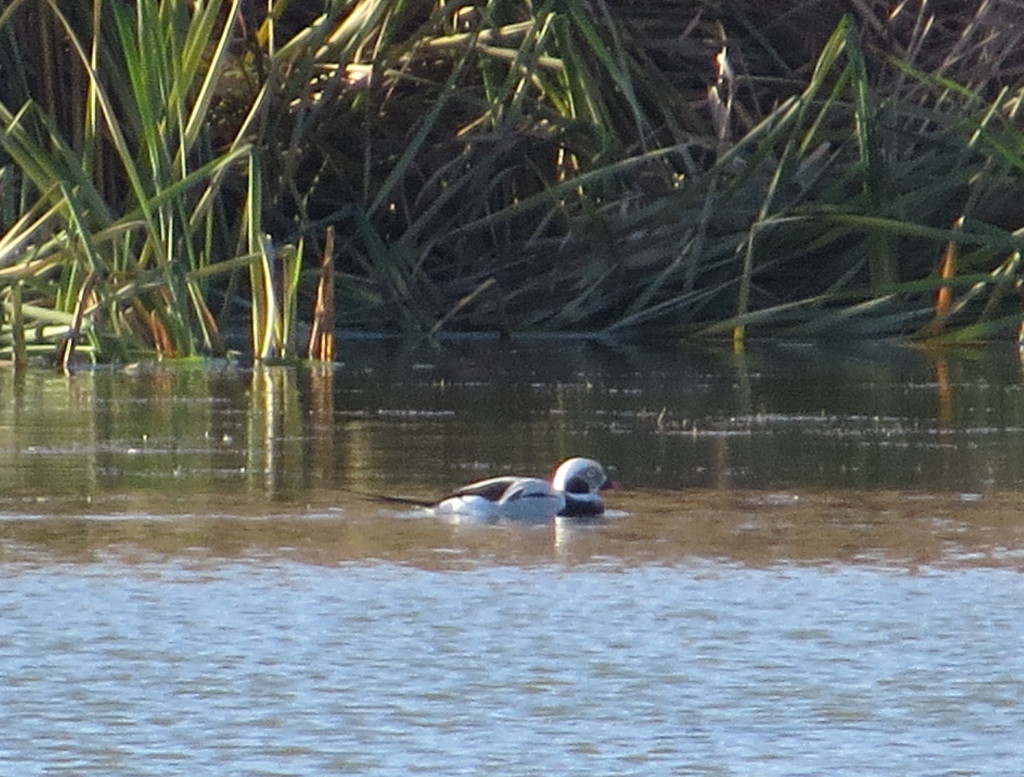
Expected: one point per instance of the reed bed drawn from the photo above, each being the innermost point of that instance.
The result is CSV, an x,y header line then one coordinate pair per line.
x,y
171,173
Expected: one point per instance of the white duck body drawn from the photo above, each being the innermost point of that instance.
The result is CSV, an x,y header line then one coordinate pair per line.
x,y
514,498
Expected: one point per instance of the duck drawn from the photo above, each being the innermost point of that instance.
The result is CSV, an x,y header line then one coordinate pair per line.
x,y
573,491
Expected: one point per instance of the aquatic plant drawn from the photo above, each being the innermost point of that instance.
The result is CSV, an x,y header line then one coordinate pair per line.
x,y
826,215
122,193
688,169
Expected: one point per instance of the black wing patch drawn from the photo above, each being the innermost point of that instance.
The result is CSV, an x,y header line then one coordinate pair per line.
x,y
492,489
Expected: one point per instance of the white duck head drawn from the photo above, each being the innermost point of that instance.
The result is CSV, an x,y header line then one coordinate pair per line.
x,y
581,480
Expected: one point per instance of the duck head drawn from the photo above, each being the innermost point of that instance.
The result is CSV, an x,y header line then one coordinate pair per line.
x,y
581,480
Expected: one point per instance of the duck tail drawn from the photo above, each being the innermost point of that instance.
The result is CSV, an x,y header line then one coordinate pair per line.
x,y
399,500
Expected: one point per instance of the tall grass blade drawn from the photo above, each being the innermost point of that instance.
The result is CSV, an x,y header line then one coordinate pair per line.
x,y
321,339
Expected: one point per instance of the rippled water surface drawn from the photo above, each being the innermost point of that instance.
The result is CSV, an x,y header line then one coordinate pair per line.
x,y
285,668
813,566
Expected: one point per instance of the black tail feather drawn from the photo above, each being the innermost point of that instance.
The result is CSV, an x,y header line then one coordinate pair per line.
x,y
400,500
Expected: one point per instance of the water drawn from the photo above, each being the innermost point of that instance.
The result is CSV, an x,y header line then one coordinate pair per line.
x,y
284,668
814,567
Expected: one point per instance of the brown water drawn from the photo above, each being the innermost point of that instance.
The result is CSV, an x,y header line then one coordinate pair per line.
x,y
813,566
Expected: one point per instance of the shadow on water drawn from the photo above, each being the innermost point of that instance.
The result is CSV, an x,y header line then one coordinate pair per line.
x,y
795,454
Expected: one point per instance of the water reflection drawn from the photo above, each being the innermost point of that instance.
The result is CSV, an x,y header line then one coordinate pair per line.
x,y
702,439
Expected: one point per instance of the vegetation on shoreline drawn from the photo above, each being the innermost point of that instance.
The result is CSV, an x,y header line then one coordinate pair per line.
x,y
677,169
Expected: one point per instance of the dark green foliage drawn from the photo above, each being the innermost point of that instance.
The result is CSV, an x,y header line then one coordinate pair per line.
x,y
676,168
